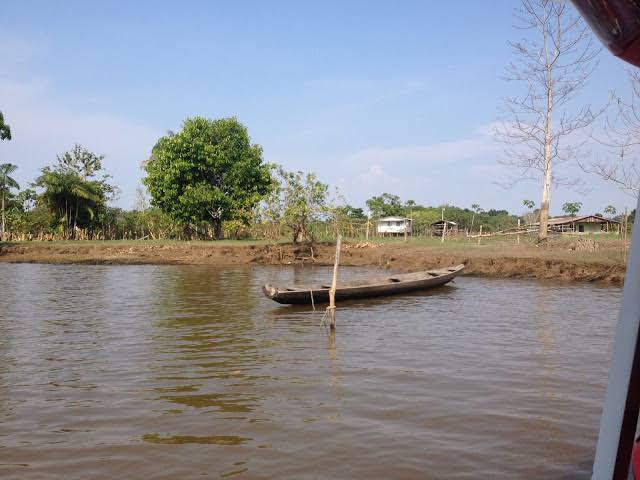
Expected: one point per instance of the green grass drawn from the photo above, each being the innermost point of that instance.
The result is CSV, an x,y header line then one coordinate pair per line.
x,y
460,242
506,240
132,243
610,248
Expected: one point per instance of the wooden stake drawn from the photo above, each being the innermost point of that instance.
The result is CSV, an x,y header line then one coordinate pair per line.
x,y
518,231
331,309
444,231
480,235
367,237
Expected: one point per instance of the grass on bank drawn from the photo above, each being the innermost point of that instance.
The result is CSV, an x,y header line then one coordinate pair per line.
x,y
454,243
138,243
608,249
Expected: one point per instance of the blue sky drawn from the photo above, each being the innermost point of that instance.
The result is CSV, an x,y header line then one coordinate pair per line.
x,y
374,97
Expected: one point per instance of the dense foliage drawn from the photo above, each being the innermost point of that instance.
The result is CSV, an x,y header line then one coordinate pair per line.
x,y
207,172
72,192
208,181
7,183
423,216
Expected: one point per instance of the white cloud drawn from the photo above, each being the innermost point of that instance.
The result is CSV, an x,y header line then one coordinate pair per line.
x,y
41,129
476,146
376,174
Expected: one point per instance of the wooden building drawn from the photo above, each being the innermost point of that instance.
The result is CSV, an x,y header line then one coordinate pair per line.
x,y
439,227
585,224
390,226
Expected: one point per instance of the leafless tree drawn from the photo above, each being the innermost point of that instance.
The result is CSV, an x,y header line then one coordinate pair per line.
x,y
552,64
621,137
142,201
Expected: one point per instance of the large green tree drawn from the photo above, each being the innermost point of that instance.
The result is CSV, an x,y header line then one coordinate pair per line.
x,y
207,172
6,184
5,130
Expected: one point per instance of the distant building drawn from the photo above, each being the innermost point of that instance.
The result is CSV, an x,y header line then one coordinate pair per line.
x,y
586,224
394,226
439,228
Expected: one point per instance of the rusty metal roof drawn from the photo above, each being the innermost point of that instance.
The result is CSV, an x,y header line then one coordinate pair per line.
x,y
582,219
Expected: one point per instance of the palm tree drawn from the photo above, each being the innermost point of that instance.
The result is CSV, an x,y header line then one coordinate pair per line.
x,y
476,209
6,184
610,210
572,208
68,195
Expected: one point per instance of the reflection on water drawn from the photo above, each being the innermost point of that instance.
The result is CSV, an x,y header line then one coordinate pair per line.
x,y
546,336
182,371
211,439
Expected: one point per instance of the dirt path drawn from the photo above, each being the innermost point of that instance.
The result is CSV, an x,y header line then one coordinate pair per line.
x,y
554,262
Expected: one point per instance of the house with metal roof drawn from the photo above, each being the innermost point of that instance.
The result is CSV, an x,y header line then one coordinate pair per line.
x,y
584,224
446,227
394,226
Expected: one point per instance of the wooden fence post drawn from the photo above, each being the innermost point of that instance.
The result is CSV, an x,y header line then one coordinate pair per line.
x,y
331,309
626,228
480,235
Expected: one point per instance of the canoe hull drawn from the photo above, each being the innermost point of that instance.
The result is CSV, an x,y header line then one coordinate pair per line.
x,y
392,285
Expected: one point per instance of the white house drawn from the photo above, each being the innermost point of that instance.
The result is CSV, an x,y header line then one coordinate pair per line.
x,y
394,226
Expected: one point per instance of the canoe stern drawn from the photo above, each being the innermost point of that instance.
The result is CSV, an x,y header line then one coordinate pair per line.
x,y
269,290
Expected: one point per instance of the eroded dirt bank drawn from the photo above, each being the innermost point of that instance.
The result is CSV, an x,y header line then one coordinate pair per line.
x,y
508,262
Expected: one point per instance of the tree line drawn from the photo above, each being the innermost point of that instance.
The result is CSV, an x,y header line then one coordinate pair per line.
x,y
209,181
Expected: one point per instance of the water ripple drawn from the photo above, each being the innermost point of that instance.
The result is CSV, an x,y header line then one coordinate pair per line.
x,y
179,371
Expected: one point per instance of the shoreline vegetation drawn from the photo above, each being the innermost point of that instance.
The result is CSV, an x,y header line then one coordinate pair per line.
x,y
588,258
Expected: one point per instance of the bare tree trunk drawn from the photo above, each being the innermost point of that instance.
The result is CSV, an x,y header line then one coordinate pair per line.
x,y
217,228
75,219
546,178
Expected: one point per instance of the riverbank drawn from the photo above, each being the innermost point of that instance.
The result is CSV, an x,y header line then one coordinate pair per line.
x,y
564,259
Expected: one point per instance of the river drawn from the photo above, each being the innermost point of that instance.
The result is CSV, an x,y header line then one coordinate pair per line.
x,y
172,372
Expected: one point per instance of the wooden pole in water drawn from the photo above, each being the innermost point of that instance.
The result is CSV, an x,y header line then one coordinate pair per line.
x,y
331,309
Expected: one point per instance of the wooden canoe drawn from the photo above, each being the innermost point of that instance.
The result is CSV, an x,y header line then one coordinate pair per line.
x,y
391,285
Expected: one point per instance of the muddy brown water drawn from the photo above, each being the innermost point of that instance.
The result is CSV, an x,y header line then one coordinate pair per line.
x,y
184,371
